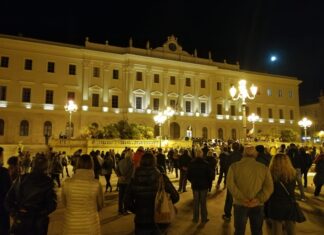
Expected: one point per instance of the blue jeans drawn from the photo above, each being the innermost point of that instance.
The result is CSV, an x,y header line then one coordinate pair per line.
x,y
228,204
200,198
242,214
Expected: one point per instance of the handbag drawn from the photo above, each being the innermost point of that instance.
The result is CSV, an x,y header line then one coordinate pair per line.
x,y
297,214
164,210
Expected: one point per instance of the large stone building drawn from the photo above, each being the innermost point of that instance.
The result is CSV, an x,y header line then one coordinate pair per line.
x,y
110,83
315,113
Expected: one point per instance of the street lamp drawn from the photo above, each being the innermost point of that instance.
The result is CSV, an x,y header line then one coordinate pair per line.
x,y
169,112
243,94
305,123
159,119
253,118
70,107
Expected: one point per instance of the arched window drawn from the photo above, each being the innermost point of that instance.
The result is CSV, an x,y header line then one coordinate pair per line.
x,y
234,134
220,133
47,128
174,130
189,132
204,133
1,127
24,128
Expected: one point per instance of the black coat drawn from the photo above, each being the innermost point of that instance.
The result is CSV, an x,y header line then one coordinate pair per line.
x,y
34,193
280,205
4,188
212,162
319,169
234,156
200,174
140,195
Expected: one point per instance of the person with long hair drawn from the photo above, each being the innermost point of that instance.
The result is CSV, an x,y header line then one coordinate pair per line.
x,y
82,197
280,205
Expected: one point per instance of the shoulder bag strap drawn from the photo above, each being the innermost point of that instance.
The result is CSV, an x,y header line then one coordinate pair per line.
x,y
284,187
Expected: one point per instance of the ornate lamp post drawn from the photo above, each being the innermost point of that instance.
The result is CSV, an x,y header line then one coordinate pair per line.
x,y
159,119
253,118
70,107
243,94
169,112
305,123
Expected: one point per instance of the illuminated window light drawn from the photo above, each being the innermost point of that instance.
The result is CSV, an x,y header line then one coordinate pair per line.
x,y
130,110
48,106
227,116
3,104
282,121
105,109
190,114
85,107
219,117
117,110
234,118
271,120
28,106
291,122
149,111
240,117
181,113
197,114
205,114
260,119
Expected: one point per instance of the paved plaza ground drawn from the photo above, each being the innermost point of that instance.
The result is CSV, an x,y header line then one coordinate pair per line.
x,y
114,224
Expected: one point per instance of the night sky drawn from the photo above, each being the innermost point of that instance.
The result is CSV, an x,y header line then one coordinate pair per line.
x,y
245,31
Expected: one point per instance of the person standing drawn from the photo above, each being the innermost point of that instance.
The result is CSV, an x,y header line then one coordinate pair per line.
x,y
65,163
107,168
234,156
161,161
82,197
319,169
5,183
222,167
184,161
212,162
280,204
200,176
31,199
251,185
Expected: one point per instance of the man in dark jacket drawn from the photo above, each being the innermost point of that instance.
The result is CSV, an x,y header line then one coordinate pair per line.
x,y
4,187
161,161
222,163
200,176
184,161
263,157
31,199
234,156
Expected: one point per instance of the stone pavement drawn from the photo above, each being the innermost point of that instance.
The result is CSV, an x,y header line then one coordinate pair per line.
x,y
114,224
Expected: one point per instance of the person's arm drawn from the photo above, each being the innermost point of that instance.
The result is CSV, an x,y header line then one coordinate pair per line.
x,y
267,188
169,188
51,198
232,187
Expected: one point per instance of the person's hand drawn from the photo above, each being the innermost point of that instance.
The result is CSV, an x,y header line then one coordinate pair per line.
x,y
253,202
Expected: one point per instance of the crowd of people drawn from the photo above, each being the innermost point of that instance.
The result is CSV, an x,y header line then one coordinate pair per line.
x,y
268,191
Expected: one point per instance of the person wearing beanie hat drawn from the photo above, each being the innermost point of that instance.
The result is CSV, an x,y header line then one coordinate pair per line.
x,y
250,184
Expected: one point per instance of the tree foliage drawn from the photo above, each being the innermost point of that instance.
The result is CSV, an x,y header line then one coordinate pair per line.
x,y
288,135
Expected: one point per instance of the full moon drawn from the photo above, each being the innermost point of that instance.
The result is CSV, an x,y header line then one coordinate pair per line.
x,y
273,58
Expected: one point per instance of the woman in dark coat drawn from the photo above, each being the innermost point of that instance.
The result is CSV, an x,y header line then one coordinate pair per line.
x,y
280,205
319,169
140,196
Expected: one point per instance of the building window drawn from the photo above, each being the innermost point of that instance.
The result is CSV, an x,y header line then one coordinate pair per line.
x,y
156,78
280,93
188,106
281,115
96,72
188,82
116,74
3,93
70,95
219,86
270,113
172,80
234,134
259,111
290,93
4,63
28,64
95,100
291,114
233,110
173,104
51,67
220,133
2,127
114,101
202,83
156,104
139,76
72,69
49,97
24,128
219,109
205,133
203,107
269,92
47,131
138,102
26,93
